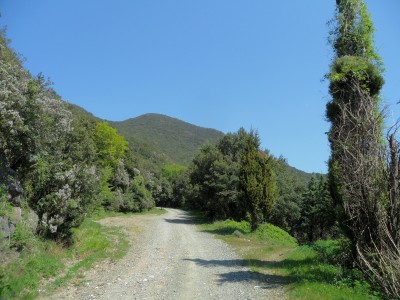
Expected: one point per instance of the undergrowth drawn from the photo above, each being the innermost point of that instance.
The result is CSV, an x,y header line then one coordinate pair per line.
x,y
307,272
92,243
265,232
314,273
20,279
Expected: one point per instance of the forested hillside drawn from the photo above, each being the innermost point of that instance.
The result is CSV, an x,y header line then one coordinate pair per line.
x,y
146,157
157,140
179,140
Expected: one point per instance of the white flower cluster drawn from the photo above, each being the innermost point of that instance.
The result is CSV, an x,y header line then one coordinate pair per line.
x,y
52,223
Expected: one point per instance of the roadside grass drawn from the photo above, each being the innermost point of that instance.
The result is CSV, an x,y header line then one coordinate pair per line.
x,y
47,265
314,276
92,243
307,271
21,278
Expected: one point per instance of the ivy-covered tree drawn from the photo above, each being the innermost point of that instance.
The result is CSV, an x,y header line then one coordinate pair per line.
x,y
362,183
355,136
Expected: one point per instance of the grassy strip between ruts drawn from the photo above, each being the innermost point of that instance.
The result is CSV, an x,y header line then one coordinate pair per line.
x,y
46,264
306,272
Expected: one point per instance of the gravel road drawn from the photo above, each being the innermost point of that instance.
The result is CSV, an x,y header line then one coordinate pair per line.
x,y
170,258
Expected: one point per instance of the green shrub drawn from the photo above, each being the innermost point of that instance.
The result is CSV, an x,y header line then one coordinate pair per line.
x,y
274,235
22,237
332,251
228,227
5,206
265,232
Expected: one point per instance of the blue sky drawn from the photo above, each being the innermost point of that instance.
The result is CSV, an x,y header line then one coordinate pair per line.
x,y
220,64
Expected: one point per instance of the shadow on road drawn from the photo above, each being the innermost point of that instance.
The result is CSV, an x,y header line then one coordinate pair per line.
x,y
182,219
308,273
264,281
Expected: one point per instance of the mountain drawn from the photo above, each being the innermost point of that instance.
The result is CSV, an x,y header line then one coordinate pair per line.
x,y
157,140
179,140
304,177
79,111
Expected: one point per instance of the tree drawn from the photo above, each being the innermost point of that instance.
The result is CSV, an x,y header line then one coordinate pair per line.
x,y
35,141
111,149
121,178
205,176
182,190
66,162
233,179
111,146
287,209
317,210
162,193
223,181
356,132
140,195
257,184
361,181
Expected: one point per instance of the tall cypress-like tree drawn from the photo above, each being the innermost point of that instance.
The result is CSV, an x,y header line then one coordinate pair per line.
x,y
257,183
355,136
360,178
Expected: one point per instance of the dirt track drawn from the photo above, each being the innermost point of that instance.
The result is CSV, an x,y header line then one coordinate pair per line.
x,y
170,258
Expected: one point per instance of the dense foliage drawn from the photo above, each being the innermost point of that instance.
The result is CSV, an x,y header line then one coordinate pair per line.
x,y
287,210
57,162
233,179
304,206
317,217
